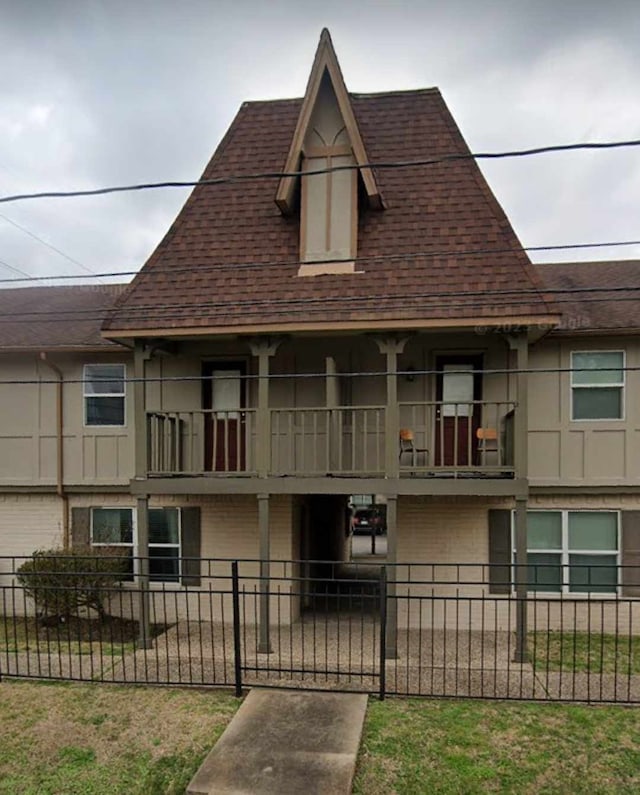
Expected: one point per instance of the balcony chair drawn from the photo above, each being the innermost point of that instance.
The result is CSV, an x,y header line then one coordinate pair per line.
x,y
487,443
407,445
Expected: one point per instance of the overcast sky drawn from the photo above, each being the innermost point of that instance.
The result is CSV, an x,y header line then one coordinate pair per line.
x,y
104,92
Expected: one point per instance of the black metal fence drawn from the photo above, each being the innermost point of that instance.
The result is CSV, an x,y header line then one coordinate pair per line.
x,y
408,629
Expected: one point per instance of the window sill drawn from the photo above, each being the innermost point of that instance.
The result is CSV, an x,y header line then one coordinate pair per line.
x,y
328,269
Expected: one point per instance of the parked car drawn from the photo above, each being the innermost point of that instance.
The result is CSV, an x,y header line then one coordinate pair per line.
x,y
366,520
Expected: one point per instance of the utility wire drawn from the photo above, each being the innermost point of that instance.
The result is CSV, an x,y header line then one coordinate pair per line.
x,y
236,178
239,266
482,298
16,270
355,374
31,234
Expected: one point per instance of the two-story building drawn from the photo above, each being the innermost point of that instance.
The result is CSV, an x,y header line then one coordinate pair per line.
x,y
364,322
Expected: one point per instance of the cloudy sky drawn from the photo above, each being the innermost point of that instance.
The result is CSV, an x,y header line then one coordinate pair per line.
x,y
105,92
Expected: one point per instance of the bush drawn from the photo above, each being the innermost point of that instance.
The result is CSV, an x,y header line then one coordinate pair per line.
x,y
62,582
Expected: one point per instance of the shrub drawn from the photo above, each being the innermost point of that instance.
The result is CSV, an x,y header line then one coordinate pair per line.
x,y
62,582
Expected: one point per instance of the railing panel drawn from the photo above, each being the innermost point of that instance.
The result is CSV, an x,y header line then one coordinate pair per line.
x,y
434,437
457,438
321,441
201,442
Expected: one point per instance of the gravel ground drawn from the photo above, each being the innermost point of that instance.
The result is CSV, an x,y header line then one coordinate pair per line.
x,y
326,651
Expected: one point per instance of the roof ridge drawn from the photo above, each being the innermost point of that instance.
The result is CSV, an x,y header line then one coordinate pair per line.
x,y
354,94
395,92
629,261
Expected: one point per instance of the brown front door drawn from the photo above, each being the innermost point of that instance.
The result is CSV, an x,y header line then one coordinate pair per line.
x,y
458,385
224,400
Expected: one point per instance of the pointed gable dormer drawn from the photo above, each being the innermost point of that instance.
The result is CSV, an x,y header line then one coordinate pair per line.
x,y
327,137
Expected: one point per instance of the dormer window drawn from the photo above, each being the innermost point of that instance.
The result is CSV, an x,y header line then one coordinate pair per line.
x,y
327,137
329,208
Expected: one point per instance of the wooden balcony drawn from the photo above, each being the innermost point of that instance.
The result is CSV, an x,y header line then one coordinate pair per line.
x,y
432,439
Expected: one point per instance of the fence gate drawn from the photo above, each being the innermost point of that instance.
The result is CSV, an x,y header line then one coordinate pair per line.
x,y
324,632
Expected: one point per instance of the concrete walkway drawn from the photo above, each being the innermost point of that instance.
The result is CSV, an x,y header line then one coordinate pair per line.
x,y
286,743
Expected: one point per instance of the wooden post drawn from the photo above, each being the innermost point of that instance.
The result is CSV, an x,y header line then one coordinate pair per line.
x,y
263,349
521,428
333,427
264,639
139,412
142,510
392,557
390,347
142,525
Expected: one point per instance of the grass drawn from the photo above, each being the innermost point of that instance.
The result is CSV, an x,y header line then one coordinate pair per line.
x,y
82,739
104,739
581,651
410,747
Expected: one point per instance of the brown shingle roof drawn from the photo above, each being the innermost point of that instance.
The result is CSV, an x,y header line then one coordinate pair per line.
x,y
441,210
613,310
44,318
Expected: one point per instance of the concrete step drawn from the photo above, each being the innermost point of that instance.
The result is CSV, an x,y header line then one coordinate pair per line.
x,y
285,743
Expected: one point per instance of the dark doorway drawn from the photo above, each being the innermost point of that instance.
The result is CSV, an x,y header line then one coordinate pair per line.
x,y
458,415
224,401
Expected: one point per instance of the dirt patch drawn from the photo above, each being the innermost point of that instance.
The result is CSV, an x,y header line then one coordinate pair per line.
x,y
74,629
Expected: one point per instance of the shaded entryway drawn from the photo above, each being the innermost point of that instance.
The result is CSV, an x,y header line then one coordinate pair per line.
x,y
331,581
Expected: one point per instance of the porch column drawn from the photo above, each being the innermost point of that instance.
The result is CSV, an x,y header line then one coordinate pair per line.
x,y
141,442
390,347
142,526
520,344
331,402
391,649
264,640
263,348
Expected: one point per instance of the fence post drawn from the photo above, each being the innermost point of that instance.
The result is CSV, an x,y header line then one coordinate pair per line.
x,y
237,661
383,632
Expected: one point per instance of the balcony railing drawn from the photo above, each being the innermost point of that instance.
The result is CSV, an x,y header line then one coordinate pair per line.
x,y
346,440
432,438
457,438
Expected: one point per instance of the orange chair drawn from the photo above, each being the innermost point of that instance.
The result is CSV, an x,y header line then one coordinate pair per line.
x,y
407,445
487,442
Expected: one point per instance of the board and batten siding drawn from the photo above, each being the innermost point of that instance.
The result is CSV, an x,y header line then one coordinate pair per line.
x,y
566,452
28,441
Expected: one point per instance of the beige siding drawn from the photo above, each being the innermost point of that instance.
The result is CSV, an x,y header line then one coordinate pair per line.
x,y
229,528
580,453
27,523
436,535
28,441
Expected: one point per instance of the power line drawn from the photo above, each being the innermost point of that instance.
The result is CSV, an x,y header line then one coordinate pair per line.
x,y
15,270
483,298
236,178
31,234
359,260
354,374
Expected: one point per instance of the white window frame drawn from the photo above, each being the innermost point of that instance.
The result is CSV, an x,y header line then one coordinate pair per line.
x,y
621,385
133,546
86,395
564,552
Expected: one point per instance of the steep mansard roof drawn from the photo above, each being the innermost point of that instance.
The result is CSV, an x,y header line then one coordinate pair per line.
x,y
229,262
41,318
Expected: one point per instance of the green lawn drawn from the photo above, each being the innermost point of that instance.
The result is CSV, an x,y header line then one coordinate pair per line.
x,y
413,747
105,740
580,651
84,739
